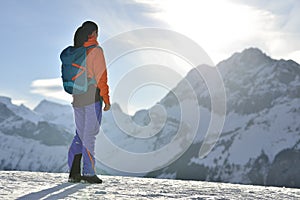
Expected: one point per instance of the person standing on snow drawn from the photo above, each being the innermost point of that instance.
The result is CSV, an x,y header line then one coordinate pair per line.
x,y
88,107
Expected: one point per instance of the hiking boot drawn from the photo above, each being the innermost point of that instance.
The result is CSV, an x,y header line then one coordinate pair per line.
x,y
75,178
91,179
75,174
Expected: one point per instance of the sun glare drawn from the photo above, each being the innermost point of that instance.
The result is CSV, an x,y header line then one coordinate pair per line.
x,y
215,24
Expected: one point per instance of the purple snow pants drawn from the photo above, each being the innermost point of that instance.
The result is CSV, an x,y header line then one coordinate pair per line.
x,y
87,121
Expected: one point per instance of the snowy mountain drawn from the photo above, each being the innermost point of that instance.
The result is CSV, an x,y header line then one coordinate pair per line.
x,y
259,144
21,111
27,142
260,140
56,114
38,185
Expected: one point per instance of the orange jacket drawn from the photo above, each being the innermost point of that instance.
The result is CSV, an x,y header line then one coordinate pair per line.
x,y
96,67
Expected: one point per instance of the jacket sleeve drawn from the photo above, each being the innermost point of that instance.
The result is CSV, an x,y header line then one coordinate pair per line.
x,y
100,73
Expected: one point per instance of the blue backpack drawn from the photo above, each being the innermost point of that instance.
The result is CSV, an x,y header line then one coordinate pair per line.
x,y
74,71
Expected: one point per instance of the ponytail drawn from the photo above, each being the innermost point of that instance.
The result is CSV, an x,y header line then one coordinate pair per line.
x,y
80,37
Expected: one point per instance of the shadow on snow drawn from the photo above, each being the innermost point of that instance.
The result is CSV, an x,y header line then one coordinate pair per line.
x,y
57,192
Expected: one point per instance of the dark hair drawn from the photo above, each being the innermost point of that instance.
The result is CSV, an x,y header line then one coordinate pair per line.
x,y
90,27
82,33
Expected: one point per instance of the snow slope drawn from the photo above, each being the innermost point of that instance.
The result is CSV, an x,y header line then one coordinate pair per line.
x,y
27,154
37,185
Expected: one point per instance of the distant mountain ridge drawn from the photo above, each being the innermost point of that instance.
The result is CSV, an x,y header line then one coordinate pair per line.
x,y
28,142
56,113
260,142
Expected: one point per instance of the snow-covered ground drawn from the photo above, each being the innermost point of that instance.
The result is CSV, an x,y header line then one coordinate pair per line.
x,y
38,185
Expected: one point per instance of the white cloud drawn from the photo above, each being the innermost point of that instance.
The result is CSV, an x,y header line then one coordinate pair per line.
x,y
114,17
51,89
283,39
223,27
219,26
55,82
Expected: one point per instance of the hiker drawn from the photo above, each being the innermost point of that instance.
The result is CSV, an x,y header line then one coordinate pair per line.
x,y
87,106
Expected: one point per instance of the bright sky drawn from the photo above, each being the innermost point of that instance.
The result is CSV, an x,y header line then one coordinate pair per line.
x,y
34,32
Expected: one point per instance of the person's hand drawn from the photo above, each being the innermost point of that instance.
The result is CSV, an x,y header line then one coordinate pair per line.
x,y
106,107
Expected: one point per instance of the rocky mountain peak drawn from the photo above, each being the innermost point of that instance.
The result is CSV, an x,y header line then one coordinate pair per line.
x,y
45,103
250,55
5,100
248,59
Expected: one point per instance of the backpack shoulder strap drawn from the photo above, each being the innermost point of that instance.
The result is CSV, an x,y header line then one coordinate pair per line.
x,y
90,47
93,46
